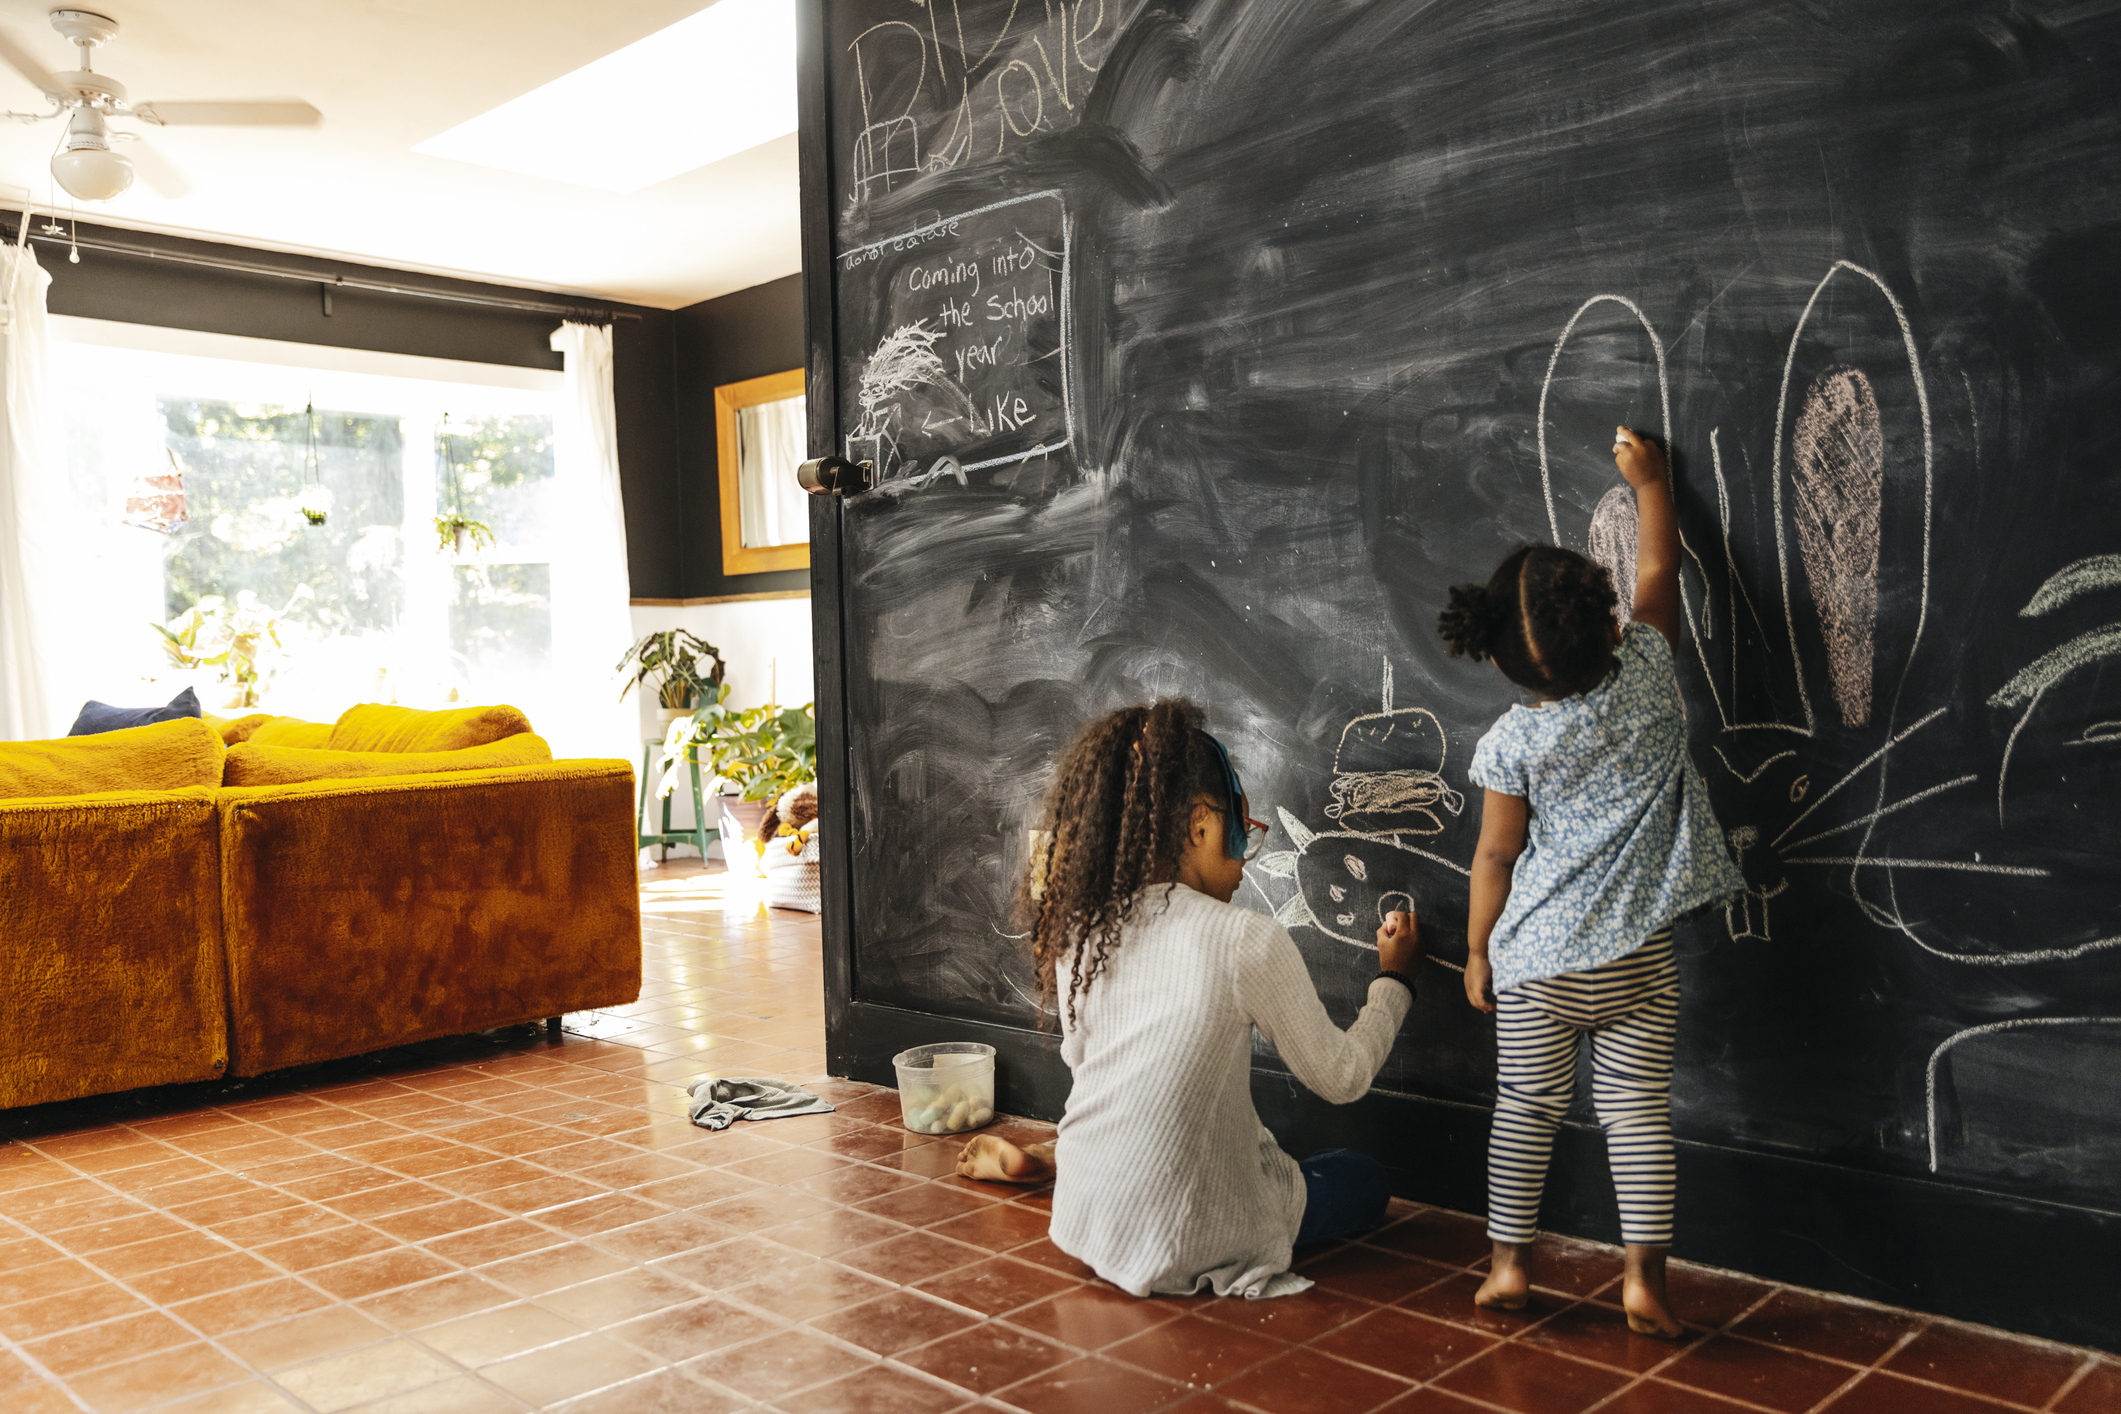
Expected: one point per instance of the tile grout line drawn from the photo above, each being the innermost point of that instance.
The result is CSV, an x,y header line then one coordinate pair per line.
x,y
2084,1371
332,1300
533,1302
39,1366
212,1342
1709,1333
621,1088
237,1120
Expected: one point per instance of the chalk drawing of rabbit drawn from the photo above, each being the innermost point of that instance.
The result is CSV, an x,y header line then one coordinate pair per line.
x,y
1387,791
1843,764
1846,776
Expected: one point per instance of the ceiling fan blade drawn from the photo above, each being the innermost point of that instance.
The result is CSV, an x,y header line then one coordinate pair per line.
x,y
156,170
20,60
247,113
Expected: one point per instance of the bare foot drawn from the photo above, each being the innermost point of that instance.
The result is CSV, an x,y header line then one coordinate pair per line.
x,y
996,1160
1642,1294
1509,1282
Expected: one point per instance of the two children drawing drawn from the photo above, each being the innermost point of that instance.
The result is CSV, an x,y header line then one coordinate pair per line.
x,y
1596,834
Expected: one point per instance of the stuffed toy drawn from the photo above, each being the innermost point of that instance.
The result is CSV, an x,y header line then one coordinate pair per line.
x,y
793,818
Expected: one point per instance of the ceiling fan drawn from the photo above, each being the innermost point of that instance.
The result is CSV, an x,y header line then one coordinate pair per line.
x,y
86,165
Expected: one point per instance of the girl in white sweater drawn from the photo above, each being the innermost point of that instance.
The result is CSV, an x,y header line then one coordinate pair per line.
x,y
1165,1180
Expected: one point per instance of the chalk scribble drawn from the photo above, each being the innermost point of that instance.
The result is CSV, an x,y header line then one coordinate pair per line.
x,y
1839,450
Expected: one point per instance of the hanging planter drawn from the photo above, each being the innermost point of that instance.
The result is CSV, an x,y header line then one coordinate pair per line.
x,y
456,533
157,502
315,501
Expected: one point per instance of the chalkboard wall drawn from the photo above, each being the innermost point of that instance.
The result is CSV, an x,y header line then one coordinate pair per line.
x,y
1203,346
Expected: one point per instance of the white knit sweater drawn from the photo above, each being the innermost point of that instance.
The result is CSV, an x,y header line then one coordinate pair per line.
x,y
1167,1180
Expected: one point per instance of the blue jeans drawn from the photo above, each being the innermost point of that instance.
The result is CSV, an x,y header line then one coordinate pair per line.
x,y
1344,1196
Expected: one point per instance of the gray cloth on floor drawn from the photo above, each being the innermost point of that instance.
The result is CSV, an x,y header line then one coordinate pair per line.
x,y
716,1104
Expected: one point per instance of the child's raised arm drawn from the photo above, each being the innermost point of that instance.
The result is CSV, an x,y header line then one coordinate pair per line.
x,y
1656,534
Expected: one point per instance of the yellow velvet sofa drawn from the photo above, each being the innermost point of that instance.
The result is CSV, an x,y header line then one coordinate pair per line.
x,y
185,928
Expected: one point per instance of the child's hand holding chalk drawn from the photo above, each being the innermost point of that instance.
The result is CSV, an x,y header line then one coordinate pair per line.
x,y
1638,458
1399,943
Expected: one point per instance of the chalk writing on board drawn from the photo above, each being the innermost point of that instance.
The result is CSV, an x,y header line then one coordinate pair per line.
x,y
968,364
982,84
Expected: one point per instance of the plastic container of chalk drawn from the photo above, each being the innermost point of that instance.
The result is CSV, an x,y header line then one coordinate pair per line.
x,y
946,1088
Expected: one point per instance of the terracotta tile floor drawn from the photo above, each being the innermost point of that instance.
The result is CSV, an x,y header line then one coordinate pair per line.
x,y
498,1223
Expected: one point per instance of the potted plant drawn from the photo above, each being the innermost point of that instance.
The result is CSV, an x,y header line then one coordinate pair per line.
x,y
756,754
231,640
673,662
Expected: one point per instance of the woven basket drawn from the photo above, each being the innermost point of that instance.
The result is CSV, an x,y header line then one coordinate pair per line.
x,y
792,880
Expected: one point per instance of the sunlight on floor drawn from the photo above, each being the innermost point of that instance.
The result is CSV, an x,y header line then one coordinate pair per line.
x,y
735,896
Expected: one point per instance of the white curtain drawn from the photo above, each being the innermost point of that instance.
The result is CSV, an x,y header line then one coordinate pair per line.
x,y
591,595
32,510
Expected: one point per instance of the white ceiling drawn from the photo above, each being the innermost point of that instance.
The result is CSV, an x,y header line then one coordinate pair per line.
x,y
388,74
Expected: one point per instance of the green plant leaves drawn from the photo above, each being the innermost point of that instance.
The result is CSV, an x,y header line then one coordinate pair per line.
x,y
762,751
672,659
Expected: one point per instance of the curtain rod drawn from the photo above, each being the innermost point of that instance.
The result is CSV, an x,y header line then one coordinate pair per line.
x,y
331,282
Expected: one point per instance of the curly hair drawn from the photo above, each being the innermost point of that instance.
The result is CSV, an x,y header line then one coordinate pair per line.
x,y
1545,617
1115,821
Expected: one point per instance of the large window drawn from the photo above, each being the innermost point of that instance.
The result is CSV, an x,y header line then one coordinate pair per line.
x,y
380,600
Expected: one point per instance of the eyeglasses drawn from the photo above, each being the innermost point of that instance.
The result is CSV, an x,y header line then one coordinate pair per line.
x,y
1255,838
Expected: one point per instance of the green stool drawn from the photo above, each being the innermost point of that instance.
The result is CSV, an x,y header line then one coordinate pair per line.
x,y
700,833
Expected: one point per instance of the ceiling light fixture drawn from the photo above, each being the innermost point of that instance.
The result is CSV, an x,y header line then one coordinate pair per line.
x,y
714,84
85,164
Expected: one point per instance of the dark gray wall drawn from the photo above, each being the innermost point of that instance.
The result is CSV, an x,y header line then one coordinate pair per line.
x,y
145,290
743,335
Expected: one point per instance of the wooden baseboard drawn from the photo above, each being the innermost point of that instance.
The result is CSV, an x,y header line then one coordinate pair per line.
x,y
724,599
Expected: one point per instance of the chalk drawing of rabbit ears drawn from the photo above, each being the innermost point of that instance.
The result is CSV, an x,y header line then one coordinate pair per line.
x,y
1831,509
1832,486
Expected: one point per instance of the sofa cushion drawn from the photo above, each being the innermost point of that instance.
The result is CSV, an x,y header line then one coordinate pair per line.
x,y
253,764
235,729
162,756
373,726
97,717
290,731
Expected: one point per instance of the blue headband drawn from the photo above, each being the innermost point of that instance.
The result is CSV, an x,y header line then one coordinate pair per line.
x,y
1234,812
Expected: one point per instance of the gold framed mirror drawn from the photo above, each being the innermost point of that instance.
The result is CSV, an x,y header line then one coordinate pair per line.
x,y
760,434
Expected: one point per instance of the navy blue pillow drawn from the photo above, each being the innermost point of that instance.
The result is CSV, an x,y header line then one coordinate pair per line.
x,y
102,717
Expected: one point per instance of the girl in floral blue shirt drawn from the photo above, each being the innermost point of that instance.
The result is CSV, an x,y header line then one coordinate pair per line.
x,y
1596,834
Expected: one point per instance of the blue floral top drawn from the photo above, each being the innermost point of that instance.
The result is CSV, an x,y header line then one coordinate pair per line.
x,y
1623,839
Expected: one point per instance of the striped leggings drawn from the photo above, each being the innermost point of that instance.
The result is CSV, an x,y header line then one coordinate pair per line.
x,y
1630,1009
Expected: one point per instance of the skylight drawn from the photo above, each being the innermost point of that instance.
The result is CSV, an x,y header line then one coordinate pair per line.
x,y
712,85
